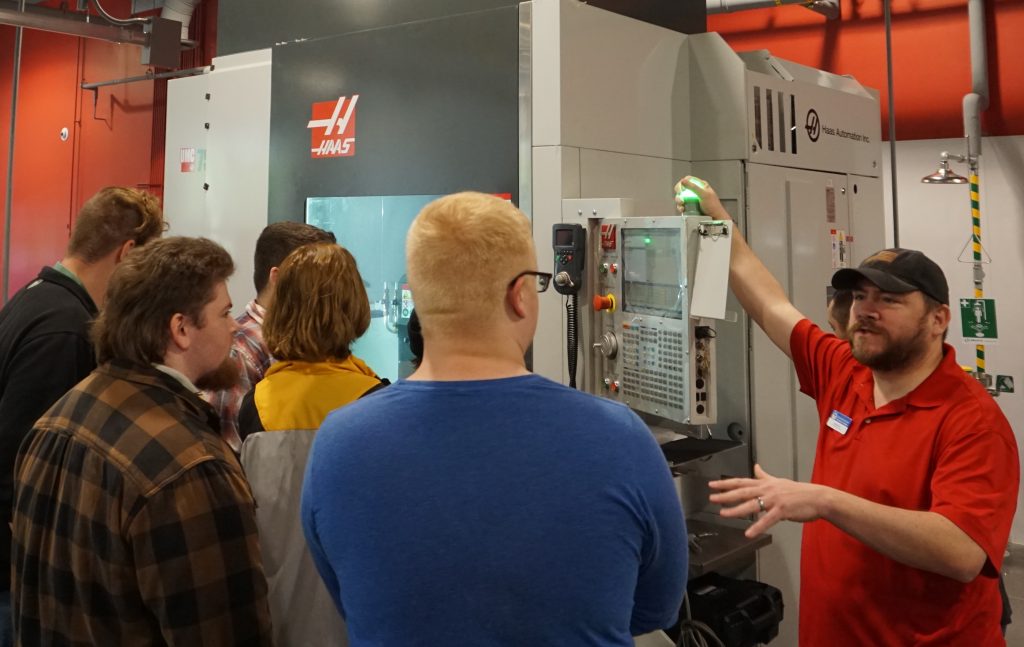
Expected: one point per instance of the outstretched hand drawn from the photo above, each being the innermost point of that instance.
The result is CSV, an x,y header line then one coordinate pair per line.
x,y
709,202
774,499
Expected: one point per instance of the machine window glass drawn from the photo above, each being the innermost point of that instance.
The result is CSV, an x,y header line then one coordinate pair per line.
x,y
373,228
652,272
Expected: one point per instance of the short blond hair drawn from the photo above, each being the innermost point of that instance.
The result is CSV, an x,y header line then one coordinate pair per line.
x,y
320,305
461,253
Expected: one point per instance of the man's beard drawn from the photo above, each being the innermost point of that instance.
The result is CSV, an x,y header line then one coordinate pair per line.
x,y
894,354
223,377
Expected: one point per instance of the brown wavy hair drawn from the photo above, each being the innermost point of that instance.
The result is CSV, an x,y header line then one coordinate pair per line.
x,y
112,217
151,285
320,305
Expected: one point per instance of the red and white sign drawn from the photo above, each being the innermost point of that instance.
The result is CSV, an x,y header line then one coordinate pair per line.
x,y
333,128
607,236
188,160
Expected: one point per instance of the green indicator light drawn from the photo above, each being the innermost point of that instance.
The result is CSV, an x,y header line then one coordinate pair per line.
x,y
647,240
687,195
691,202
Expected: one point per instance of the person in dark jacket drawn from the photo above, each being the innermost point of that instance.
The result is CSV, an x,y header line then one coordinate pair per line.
x,y
44,332
415,339
839,313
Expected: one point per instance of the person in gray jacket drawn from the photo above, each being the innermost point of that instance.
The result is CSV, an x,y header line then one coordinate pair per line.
x,y
319,309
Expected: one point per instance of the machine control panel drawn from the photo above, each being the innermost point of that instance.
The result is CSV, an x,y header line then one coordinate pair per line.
x,y
651,353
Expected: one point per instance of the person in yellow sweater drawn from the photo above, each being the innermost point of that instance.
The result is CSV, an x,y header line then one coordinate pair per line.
x,y
319,309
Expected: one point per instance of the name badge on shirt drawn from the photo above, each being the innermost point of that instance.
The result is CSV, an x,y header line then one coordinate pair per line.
x,y
839,421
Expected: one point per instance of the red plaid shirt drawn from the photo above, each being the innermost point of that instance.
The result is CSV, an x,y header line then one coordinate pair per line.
x,y
252,357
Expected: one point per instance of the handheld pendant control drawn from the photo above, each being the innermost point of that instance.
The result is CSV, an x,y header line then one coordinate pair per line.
x,y
569,245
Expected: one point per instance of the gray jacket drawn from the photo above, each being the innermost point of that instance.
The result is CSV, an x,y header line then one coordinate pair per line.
x,y
301,610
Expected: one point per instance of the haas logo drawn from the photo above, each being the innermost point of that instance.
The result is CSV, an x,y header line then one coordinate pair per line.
x,y
333,128
607,236
813,125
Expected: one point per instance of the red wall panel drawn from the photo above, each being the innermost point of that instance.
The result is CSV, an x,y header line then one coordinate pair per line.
x,y
47,96
116,121
931,56
111,135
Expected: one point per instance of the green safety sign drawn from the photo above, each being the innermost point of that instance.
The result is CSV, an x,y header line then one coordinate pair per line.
x,y
1004,383
978,319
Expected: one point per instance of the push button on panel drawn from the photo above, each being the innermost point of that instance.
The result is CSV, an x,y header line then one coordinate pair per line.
x,y
606,302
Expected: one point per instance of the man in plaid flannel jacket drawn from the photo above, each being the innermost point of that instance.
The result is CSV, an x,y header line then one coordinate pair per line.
x,y
133,523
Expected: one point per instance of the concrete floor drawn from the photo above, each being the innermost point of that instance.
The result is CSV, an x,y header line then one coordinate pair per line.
x,y
1013,572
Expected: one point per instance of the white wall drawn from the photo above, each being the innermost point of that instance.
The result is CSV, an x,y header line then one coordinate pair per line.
x,y
224,199
936,219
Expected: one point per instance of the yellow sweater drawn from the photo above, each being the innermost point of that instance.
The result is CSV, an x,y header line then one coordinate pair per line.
x,y
299,395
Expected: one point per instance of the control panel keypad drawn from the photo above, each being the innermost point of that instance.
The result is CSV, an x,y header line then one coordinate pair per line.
x,y
654,365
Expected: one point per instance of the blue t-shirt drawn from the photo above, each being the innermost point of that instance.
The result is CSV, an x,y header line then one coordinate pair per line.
x,y
510,512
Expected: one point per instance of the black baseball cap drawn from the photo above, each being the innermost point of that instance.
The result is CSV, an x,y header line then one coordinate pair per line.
x,y
897,270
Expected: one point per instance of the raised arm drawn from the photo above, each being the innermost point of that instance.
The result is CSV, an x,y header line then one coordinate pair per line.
x,y
757,290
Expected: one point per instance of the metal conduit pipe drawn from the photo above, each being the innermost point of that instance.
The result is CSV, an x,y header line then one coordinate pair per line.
x,y
828,8
974,102
887,6
58,22
117,21
177,74
977,99
9,201
180,10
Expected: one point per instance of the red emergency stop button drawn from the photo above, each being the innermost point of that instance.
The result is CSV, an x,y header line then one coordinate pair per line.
x,y
606,302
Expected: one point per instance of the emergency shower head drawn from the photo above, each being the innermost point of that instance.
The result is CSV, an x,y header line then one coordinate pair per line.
x,y
944,175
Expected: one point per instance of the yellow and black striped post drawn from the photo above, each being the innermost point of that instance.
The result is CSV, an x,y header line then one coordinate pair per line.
x,y
979,291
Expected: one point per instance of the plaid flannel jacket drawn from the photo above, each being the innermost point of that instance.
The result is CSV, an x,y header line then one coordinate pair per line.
x,y
133,523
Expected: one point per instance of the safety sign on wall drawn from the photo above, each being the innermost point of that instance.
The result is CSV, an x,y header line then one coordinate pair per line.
x,y
842,242
978,320
193,160
1004,383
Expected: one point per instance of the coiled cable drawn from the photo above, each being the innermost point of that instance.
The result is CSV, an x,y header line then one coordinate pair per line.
x,y
572,335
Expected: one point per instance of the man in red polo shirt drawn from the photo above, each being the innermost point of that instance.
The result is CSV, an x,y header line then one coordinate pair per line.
x,y
916,474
